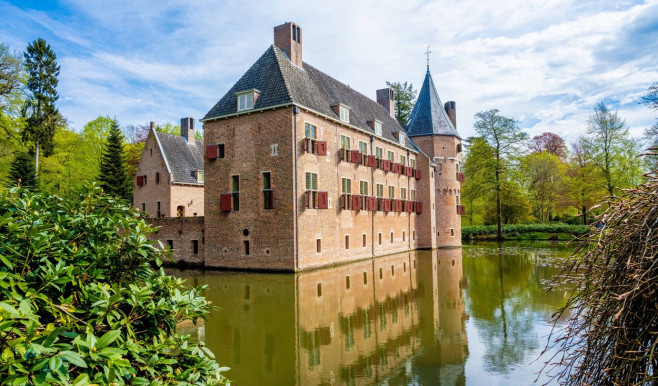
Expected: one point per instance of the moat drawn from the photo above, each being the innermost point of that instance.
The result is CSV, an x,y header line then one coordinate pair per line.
x,y
469,316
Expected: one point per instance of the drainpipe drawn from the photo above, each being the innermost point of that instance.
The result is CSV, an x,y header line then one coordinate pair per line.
x,y
409,199
295,111
372,192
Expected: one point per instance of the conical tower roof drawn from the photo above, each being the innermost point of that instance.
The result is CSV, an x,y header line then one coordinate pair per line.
x,y
429,116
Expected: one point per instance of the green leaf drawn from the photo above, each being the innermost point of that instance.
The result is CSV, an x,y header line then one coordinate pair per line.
x,y
108,338
6,262
82,379
12,311
74,358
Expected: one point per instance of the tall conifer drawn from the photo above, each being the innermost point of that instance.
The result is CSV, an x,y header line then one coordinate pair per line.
x,y
112,172
22,169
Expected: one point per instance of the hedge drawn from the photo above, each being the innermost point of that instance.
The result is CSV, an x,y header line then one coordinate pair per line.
x,y
469,232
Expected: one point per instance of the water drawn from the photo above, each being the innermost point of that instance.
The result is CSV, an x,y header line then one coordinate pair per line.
x,y
472,316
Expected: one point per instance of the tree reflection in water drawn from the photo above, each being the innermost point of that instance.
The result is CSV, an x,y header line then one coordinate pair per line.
x,y
400,319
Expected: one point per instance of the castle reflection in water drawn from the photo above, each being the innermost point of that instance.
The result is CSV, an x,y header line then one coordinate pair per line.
x,y
397,319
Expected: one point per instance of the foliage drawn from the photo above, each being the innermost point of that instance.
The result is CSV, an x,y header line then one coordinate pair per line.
x,y
549,142
80,303
95,133
112,175
543,173
42,116
504,136
469,232
612,320
581,182
480,178
11,75
651,133
612,150
72,164
515,207
405,97
12,80
22,171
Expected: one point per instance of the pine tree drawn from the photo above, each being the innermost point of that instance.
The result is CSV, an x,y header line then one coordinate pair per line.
x,y
41,115
112,172
22,171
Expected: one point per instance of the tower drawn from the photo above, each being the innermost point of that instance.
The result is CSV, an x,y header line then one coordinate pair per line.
x,y
432,127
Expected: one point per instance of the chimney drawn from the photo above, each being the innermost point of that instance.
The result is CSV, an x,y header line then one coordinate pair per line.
x,y
452,112
288,37
152,125
386,98
187,129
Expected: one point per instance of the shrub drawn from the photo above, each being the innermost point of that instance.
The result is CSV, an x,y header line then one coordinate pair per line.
x,y
80,302
469,232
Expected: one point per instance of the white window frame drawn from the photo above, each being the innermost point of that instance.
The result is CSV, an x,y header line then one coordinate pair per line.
x,y
378,128
246,100
402,141
344,113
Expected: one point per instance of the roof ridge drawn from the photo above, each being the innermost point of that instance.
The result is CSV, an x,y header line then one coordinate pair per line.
x,y
277,53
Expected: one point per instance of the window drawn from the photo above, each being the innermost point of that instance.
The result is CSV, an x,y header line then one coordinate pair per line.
x,y
268,192
403,193
347,282
380,190
143,207
378,128
157,177
457,200
380,238
346,186
159,213
170,244
246,101
235,194
318,245
402,141
311,181
145,179
452,232
363,188
180,211
391,192
319,290
220,150
413,195
245,247
363,148
412,162
274,149
365,278
379,153
391,156
310,130
403,160
391,237
365,239
404,234
195,247
344,142
344,113
200,176
347,241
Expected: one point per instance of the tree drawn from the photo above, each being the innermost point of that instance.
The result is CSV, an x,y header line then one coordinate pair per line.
x,y
607,328
651,133
549,142
543,172
80,302
22,171
11,75
112,175
480,172
41,114
72,165
405,97
515,206
95,133
612,150
12,80
504,137
583,181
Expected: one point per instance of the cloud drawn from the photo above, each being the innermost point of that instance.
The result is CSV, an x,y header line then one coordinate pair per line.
x,y
546,62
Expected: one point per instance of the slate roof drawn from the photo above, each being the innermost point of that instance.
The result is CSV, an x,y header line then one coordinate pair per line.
x,y
182,158
429,116
280,82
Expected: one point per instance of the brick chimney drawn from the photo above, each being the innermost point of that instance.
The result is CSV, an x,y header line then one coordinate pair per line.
x,y
152,125
452,112
386,98
288,37
187,129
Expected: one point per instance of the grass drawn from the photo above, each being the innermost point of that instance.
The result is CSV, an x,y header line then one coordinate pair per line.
x,y
556,231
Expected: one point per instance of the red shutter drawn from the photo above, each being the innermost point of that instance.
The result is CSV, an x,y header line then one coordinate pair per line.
x,y
410,206
356,202
371,161
140,180
211,151
323,200
409,171
461,210
372,204
225,202
387,205
419,207
417,173
355,157
322,147
396,168
460,177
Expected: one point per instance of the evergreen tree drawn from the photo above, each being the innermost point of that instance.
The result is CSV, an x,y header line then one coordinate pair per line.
x,y
112,171
22,171
405,97
42,117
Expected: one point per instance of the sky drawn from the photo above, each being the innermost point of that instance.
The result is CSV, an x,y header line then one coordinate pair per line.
x,y
545,63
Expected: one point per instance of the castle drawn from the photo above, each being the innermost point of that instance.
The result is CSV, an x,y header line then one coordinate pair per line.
x,y
301,171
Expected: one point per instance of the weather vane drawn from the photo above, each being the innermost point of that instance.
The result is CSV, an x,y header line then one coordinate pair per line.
x,y
428,52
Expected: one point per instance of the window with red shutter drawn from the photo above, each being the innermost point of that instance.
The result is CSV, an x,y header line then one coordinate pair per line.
x,y
417,174
322,148
225,201
410,206
355,157
356,202
211,151
372,204
323,200
419,207
140,180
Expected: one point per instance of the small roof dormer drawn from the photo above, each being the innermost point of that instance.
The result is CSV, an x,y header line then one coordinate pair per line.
x,y
343,111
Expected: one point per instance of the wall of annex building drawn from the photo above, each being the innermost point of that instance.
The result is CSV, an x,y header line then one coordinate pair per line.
x,y
253,143
336,235
190,197
184,235
146,197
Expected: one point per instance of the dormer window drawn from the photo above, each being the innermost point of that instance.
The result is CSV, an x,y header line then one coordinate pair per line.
x,y
378,128
344,114
247,99
402,142
199,176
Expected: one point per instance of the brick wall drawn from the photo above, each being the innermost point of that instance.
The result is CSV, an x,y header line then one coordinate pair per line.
x,y
151,163
182,232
